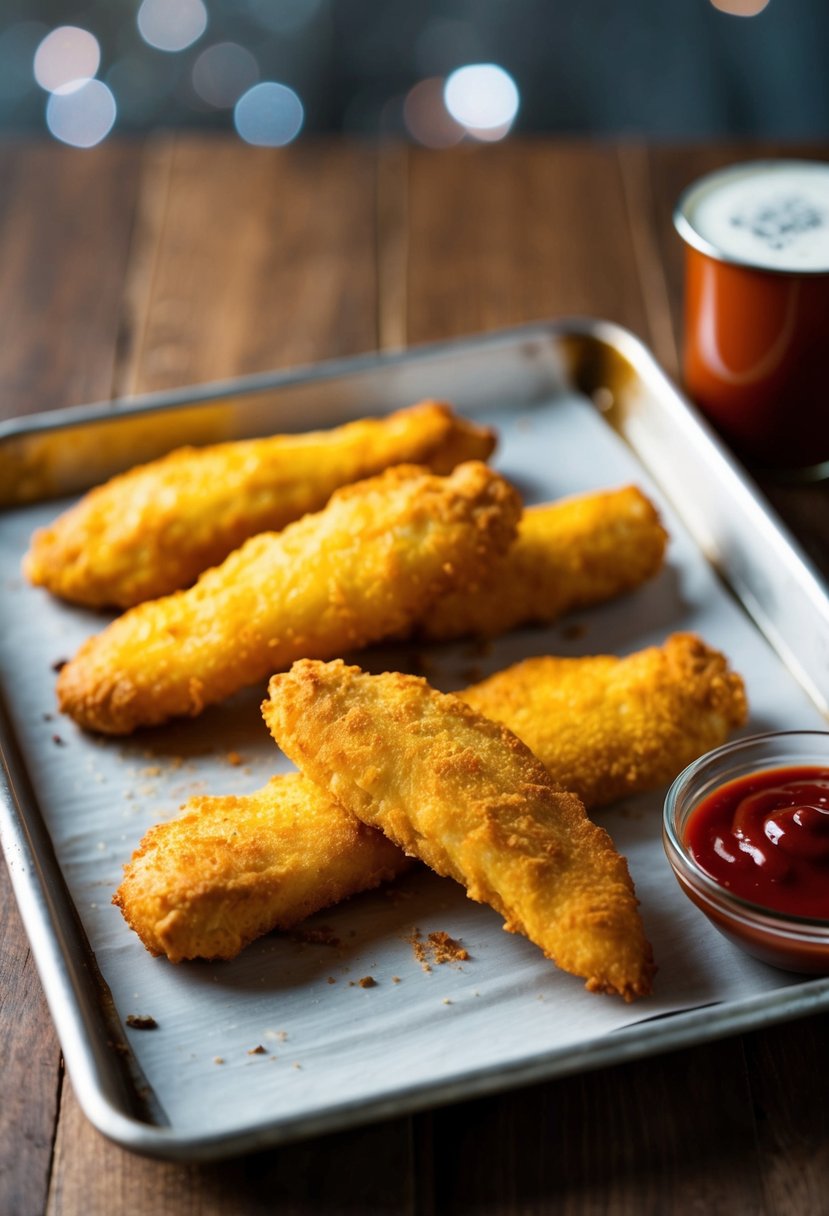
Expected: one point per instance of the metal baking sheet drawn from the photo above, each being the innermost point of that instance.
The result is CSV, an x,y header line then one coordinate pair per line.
x,y
579,405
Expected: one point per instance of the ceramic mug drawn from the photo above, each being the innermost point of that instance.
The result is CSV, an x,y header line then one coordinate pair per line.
x,y
756,333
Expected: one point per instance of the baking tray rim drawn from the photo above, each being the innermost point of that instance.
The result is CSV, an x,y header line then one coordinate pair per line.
x,y
648,1037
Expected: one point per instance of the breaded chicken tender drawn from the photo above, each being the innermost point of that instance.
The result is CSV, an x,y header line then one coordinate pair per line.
x,y
604,728
363,568
569,555
607,727
154,529
230,869
466,796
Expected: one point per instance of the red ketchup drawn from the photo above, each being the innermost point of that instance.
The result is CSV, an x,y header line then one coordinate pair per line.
x,y
765,838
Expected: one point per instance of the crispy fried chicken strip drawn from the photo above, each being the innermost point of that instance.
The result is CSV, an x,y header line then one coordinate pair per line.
x,y
361,569
154,529
230,869
604,728
569,555
607,727
464,795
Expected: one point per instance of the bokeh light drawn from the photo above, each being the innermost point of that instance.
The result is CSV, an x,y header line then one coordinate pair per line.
x,y
222,73
172,25
483,98
741,8
66,59
426,117
269,114
82,117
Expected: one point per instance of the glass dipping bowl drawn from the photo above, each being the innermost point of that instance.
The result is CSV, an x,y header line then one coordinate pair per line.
x,y
793,943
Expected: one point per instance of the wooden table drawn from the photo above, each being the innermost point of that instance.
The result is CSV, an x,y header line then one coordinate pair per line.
x,y
141,265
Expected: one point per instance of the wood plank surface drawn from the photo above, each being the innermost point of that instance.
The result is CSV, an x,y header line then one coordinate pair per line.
x,y
249,259
210,260
65,231
508,233
58,214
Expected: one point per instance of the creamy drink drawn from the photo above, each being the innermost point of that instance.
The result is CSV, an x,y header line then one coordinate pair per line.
x,y
773,215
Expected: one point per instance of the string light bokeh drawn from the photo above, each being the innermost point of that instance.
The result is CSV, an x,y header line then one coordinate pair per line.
x,y
437,74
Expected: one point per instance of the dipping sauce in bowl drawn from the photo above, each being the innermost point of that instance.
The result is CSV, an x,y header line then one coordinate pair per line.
x,y
746,830
757,307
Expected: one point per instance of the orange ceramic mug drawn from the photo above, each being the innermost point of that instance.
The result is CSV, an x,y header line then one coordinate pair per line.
x,y
756,342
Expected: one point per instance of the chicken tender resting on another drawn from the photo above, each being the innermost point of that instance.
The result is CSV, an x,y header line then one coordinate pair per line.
x,y
363,568
604,728
154,529
607,727
569,555
230,869
469,798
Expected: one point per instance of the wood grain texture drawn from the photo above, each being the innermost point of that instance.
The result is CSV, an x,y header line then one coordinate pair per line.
x,y
60,213
65,229
792,1117
30,1068
513,232
637,1140
249,259
366,1170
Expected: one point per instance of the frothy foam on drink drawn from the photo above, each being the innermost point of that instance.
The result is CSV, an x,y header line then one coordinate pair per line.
x,y
773,215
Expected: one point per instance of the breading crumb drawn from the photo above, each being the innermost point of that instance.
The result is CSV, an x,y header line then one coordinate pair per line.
x,y
446,949
323,935
438,948
141,1021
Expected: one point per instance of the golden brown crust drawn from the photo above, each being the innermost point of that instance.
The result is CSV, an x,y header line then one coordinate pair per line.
x,y
363,568
229,869
154,529
467,797
607,727
568,555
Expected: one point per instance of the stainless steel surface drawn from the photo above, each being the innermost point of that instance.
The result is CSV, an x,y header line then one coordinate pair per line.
x,y
723,511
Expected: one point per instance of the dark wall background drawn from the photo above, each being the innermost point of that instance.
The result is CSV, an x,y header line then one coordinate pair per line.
x,y
663,68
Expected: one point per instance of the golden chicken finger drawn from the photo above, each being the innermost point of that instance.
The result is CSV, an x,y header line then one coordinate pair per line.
x,y
467,797
230,869
568,555
154,529
361,569
607,727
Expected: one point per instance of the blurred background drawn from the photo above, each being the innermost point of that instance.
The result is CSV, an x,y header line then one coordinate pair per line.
x,y
435,72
